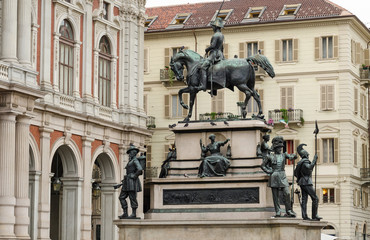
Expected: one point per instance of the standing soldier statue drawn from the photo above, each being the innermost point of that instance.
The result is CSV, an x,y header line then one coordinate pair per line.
x,y
303,172
130,183
274,165
215,51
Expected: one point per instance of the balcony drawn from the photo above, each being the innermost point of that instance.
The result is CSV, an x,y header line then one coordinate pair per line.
x,y
218,116
365,173
289,116
150,122
365,76
168,78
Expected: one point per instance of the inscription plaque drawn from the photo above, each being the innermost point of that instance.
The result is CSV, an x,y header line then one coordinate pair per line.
x,y
211,196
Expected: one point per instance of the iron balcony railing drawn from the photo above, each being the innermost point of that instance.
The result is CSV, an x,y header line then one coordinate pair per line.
x,y
290,115
365,73
218,116
150,122
365,172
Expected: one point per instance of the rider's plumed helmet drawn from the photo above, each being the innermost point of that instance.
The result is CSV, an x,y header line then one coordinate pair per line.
x,y
218,22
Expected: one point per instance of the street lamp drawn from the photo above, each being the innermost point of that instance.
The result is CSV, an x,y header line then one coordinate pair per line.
x,y
96,190
57,184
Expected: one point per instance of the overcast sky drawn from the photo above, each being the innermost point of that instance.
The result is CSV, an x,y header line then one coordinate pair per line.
x,y
361,8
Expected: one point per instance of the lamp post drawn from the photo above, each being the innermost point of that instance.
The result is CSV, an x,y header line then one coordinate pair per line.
x,y
57,184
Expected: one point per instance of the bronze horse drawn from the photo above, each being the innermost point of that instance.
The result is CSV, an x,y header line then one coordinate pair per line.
x,y
236,72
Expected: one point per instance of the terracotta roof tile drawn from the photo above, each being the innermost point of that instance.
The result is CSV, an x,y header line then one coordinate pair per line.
x,y
202,13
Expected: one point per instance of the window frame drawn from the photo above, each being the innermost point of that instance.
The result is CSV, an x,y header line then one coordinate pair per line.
x,y
330,191
285,104
105,82
224,14
180,19
324,93
66,42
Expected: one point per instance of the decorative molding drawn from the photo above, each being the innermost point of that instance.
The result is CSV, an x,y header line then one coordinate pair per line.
x,y
329,129
330,78
356,132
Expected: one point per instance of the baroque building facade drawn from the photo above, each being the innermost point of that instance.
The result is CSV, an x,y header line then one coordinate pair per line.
x,y
71,102
317,49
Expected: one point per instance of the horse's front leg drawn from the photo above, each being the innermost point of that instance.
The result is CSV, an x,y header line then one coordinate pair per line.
x,y
181,91
256,97
191,104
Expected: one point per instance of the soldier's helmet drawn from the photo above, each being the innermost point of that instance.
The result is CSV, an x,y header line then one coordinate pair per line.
x,y
218,22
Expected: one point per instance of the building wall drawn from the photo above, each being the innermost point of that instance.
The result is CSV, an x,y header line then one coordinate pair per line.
x,y
306,74
42,127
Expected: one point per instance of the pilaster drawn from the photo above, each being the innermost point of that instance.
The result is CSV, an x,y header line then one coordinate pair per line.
x,y
22,177
108,211
24,32
7,173
9,31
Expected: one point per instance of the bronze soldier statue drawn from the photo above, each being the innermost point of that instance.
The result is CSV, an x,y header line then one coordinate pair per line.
x,y
215,51
303,172
131,183
166,163
274,165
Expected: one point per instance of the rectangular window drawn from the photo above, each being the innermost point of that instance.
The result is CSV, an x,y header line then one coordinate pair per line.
x,y
289,148
254,12
252,48
353,51
180,18
328,195
65,67
150,20
327,97
363,106
365,162
224,14
356,100
146,60
327,47
328,150
290,10
286,97
104,82
287,50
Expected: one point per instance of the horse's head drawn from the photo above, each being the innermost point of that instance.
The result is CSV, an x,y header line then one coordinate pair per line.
x,y
178,69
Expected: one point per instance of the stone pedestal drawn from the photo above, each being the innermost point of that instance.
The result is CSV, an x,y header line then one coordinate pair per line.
x,y
272,229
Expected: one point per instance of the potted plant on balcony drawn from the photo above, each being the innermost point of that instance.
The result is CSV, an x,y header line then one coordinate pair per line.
x,y
364,67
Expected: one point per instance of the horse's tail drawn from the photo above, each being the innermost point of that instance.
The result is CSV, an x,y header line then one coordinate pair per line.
x,y
263,62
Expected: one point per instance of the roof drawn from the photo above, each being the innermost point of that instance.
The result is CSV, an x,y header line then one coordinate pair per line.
x,y
202,13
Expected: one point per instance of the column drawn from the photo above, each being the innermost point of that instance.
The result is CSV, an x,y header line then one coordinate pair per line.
x,y
24,32
71,208
56,62
87,54
22,177
34,202
45,181
7,168
9,31
109,199
45,51
86,210
114,83
76,81
96,75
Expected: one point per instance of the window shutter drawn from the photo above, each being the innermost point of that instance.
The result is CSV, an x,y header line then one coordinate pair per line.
x,y
242,50
358,197
149,156
319,194
146,60
337,195
323,97
290,96
361,105
367,57
354,197
241,96
365,109
277,51
282,97
330,97
261,46
317,48
167,106
226,50
295,49
166,57
336,150
296,143
260,92
166,147
185,97
336,48
319,155
353,51
364,151
358,53
356,100
146,103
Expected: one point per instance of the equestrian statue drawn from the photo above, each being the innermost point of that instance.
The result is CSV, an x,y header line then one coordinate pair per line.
x,y
214,72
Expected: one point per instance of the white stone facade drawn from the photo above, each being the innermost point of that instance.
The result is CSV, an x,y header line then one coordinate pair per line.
x,y
345,122
45,133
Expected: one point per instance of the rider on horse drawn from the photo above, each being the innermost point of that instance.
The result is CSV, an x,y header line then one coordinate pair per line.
x,y
214,51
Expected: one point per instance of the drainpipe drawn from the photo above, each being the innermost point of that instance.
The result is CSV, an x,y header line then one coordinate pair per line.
x,y
196,99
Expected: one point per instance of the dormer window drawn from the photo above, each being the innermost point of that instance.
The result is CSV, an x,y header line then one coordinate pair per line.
x,y
180,18
224,14
253,14
150,20
290,10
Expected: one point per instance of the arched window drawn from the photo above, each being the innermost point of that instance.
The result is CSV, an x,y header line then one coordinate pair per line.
x,y
66,58
104,72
